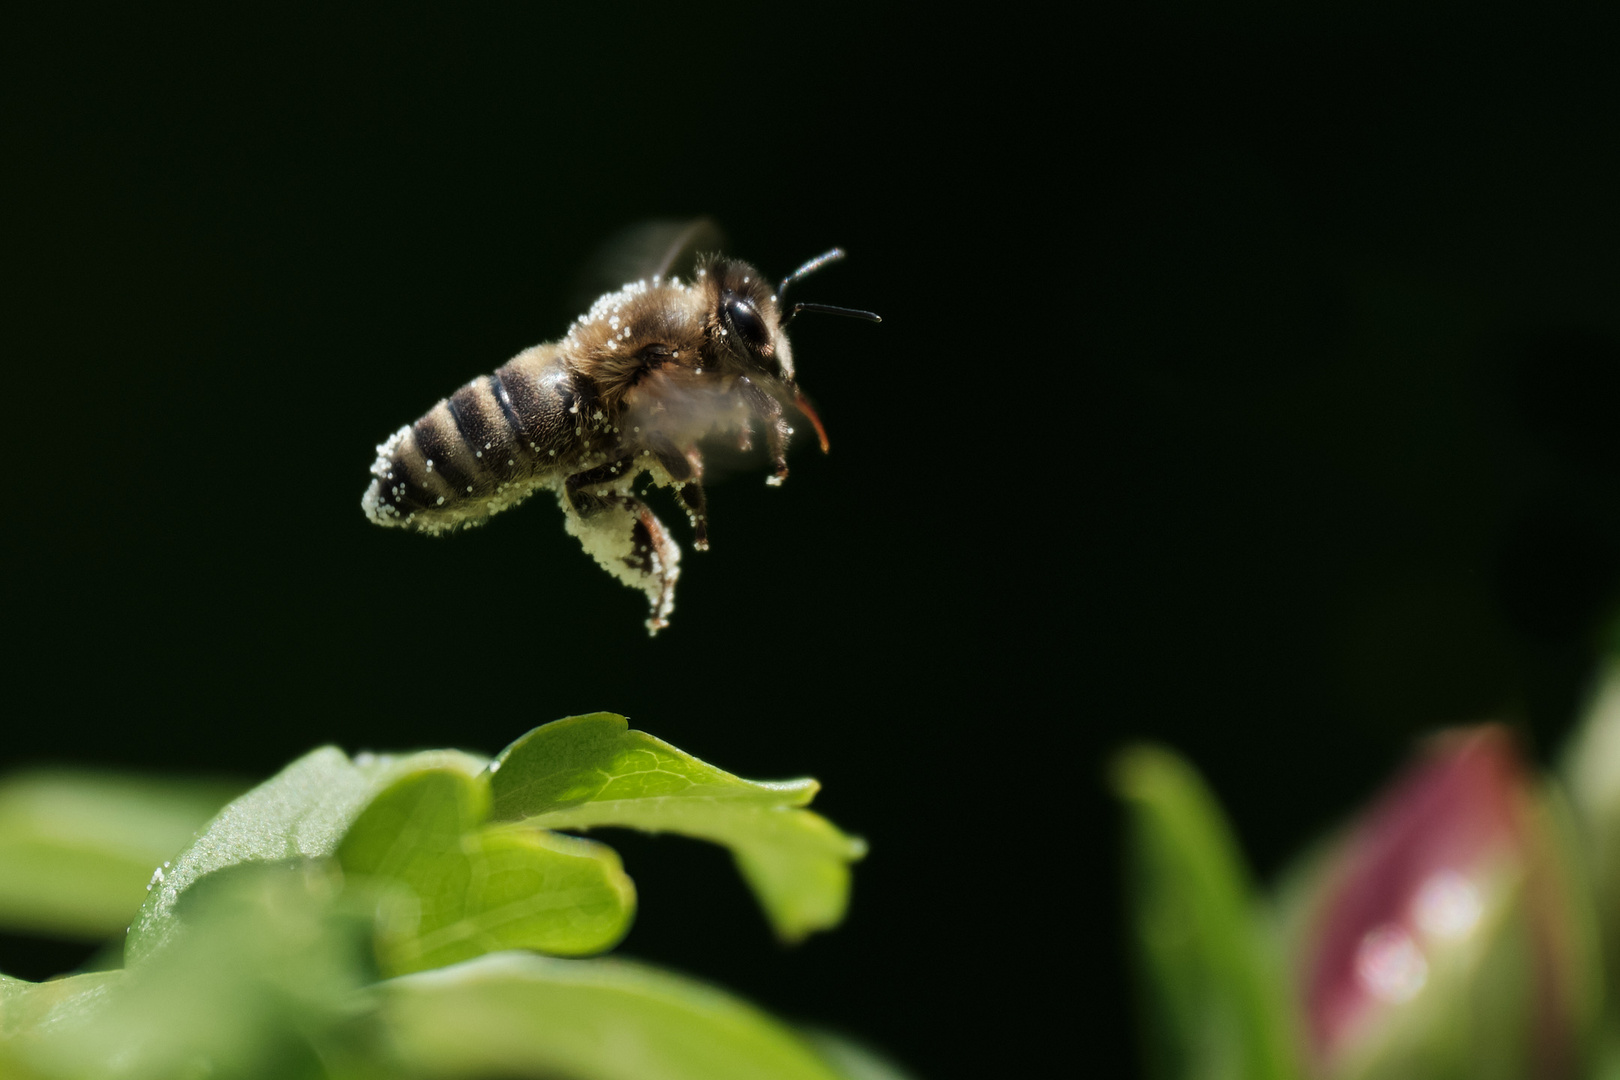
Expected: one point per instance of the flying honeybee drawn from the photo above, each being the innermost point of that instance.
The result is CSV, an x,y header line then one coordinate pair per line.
x,y
633,388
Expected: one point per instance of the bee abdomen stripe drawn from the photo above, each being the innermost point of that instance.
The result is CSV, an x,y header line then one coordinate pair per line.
x,y
435,444
514,426
521,396
465,419
476,427
409,492
483,425
399,475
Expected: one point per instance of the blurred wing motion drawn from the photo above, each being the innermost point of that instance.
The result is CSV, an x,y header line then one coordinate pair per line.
x,y
648,250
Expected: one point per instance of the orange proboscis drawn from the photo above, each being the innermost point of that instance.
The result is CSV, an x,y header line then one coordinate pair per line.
x,y
803,405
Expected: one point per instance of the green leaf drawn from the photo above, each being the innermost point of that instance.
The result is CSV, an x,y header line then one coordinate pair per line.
x,y
514,1014
1215,1003
262,979
301,812
27,1007
590,771
32,1015
462,889
77,848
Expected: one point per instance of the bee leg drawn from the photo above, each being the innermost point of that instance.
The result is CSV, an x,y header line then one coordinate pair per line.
x,y
683,470
624,536
776,441
628,541
697,508
583,501
777,431
657,560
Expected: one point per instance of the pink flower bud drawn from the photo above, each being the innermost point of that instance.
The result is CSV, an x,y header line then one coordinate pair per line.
x,y
1451,880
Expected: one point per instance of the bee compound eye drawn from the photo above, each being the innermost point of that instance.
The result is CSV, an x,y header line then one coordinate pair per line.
x,y
745,320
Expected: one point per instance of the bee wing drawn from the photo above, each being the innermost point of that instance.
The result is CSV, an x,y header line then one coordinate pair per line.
x,y
659,247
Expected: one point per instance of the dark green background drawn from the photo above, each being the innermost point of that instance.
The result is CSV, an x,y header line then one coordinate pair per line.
x,y
1246,381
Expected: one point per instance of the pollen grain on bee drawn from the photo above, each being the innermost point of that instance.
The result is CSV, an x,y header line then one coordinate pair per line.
x,y
631,389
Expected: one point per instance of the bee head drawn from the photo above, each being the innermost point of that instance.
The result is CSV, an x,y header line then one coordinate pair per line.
x,y
744,324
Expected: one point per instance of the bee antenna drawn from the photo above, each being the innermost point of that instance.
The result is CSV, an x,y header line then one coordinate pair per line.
x,y
828,309
808,268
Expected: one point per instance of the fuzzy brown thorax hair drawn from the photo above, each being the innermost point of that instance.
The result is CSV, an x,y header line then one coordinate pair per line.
x,y
676,327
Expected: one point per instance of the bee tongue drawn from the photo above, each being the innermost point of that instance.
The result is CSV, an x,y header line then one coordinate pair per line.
x,y
803,405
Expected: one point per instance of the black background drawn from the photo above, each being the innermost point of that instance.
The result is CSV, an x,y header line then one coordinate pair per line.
x,y
1247,381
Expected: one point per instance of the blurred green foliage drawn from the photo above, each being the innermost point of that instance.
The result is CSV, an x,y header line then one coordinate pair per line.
x,y
1213,1001
265,947
78,847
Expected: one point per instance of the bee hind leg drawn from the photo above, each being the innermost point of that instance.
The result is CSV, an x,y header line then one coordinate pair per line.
x,y
629,542
625,538
656,560
575,492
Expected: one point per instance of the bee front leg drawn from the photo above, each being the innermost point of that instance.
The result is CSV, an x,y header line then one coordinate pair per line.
x,y
777,431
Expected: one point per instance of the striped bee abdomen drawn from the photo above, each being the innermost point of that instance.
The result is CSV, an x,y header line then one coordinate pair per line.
x,y
484,448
